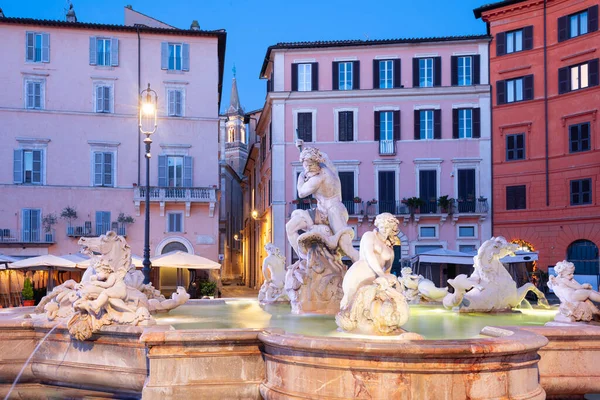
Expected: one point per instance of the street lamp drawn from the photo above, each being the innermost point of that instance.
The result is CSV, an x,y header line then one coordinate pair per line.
x,y
148,124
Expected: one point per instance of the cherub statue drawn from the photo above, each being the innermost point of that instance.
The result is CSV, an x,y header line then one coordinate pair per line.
x,y
575,298
273,270
104,285
416,288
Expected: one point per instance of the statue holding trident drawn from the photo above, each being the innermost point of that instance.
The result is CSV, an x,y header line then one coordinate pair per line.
x,y
319,236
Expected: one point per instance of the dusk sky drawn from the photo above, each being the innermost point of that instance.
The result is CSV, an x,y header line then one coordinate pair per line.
x,y
252,26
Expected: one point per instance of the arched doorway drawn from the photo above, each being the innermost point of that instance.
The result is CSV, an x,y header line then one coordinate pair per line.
x,y
584,254
170,278
174,246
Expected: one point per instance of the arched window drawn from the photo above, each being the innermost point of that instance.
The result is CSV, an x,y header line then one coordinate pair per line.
x,y
584,254
174,246
231,135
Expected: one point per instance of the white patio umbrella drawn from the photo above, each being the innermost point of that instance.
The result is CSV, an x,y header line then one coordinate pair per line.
x,y
48,261
81,261
179,259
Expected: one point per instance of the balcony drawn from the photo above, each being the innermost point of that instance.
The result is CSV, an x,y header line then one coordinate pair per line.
x,y
27,237
387,147
354,209
176,194
100,229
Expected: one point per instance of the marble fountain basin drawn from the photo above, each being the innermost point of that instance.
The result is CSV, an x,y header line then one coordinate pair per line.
x,y
234,349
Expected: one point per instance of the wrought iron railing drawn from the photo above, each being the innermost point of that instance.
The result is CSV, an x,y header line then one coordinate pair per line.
x,y
87,229
387,147
27,236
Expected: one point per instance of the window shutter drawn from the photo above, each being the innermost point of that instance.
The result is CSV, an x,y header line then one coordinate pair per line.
x,y
45,47
377,124
563,27
187,171
30,94
415,72
342,126
93,56
593,72
396,131
179,102
528,37
171,102
500,92
37,167
162,171
29,46
108,169
27,228
528,87
510,198
18,166
164,55
500,44
476,118
417,114
350,125
308,127
99,99
294,77
314,76
376,74
37,95
437,71
114,52
97,169
455,123
335,75
476,69
454,70
437,124
593,19
185,56
397,73
107,107
563,80
356,75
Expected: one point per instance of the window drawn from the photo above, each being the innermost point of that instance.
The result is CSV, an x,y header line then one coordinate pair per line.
x,y
387,191
103,99
102,222
37,47
427,232
346,126
514,41
579,76
32,219
175,98
428,191
466,190
175,56
579,137
386,74
581,192
231,135
466,231
174,222
513,90
103,169
175,171
104,51
304,130
387,130
426,124
465,123
345,76
515,147
516,198
464,71
426,72
27,166
304,77
34,94
347,183
578,24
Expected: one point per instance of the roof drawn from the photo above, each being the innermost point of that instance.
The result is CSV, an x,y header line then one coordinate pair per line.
x,y
495,5
354,43
234,100
220,34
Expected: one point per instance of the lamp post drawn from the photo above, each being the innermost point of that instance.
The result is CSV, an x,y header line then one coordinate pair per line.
x,y
148,124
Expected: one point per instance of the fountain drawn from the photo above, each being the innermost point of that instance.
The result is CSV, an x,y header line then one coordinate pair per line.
x,y
273,269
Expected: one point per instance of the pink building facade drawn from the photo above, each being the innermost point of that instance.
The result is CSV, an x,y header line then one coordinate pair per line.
x,y
69,128
401,119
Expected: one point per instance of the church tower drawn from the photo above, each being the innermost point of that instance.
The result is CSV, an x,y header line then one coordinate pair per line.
x,y
236,141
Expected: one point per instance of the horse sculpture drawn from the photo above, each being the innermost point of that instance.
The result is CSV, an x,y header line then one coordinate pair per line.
x,y
492,287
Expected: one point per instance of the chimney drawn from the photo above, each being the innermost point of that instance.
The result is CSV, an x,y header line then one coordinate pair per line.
x,y
71,17
195,25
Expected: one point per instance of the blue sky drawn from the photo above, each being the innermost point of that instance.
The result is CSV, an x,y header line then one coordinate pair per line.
x,y
252,26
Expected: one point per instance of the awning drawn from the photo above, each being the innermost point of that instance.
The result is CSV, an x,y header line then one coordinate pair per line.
x,y
521,256
180,259
444,256
45,261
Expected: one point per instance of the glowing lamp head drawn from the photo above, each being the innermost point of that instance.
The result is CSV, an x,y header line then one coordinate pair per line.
x,y
254,214
148,109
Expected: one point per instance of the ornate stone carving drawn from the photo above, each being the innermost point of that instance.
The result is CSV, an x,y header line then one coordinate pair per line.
x,y
493,289
418,289
111,291
575,298
273,269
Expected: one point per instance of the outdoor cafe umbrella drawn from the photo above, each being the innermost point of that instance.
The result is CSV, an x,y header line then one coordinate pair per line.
x,y
47,261
180,259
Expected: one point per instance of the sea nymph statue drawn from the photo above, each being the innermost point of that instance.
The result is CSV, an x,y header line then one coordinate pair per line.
x,y
273,269
575,298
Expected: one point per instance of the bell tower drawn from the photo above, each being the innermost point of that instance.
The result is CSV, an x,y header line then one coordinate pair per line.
x,y
236,141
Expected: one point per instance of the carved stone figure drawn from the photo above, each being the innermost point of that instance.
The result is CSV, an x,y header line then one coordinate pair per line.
x,y
493,289
418,289
313,284
273,269
575,298
372,302
111,291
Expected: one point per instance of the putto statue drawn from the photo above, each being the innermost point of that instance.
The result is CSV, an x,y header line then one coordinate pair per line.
x,y
314,283
575,298
111,291
372,303
273,269
417,289
493,289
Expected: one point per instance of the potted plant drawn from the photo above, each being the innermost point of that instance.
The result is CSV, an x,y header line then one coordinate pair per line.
x,y
445,202
413,204
306,201
70,214
357,199
296,201
48,221
27,293
313,200
207,289
123,220
482,199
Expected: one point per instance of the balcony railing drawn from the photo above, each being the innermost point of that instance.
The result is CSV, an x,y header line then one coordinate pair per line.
x,y
477,206
387,147
27,236
395,207
98,229
352,207
194,194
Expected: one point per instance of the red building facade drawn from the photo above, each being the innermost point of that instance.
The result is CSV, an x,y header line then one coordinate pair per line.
x,y
545,127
